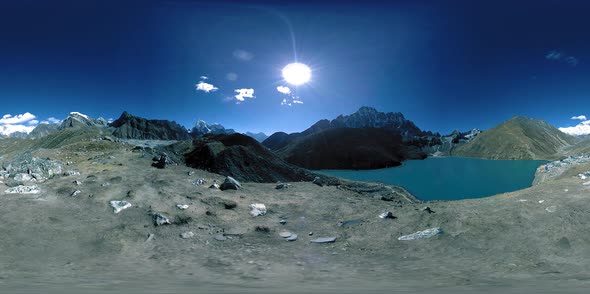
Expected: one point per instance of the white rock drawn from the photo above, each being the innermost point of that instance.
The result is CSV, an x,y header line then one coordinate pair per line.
x,y
71,173
551,209
75,193
182,206
161,219
541,201
23,190
565,190
187,235
421,234
522,200
23,177
257,209
586,183
582,176
118,206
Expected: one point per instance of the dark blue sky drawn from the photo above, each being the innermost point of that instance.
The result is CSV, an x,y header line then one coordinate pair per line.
x,y
444,64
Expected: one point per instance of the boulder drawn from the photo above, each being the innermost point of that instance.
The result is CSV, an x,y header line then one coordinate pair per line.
x,y
160,219
422,234
230,184
119,206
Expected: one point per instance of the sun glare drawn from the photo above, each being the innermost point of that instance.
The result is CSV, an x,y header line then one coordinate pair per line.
x,y
296,73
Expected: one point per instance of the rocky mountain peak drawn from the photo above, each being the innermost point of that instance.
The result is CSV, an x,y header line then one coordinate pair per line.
x,y
77,119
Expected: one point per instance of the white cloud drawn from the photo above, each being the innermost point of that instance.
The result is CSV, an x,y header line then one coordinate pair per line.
x,y
9,129
581,129
19,123
110,120
241,94
204,78
17,119
206,87
243,55
561,56
51,120
284,90
579,117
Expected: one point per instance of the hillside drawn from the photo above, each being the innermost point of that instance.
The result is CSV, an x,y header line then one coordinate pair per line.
x,y
349,148
517,138
131,127
243,158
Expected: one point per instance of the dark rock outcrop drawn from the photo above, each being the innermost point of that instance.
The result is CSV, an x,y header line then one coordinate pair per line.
x,y
350,148
244,159
131,127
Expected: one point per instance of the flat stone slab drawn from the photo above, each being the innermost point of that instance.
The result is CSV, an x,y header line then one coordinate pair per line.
x,y
293,237
324,240
119,206
421,234
285,234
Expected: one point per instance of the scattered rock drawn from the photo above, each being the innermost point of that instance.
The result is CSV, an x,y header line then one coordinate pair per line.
x,y
522,200
214,186
565,190
78,183
324,240
387,214
310,233
131,194
107,138
285,234
428,209
349,223
182,220
118,206
190,173
199,182
71,173
283,222
257,209
218,201
318,181
293,237
182,206
262,229
220,237
160,219
105,184
161,162
38,177
281,186
551,209
23,190
541,201
75,193
230,183
149,238
187,235
421,234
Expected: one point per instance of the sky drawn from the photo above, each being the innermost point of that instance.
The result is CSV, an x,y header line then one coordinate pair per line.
x,y
445,65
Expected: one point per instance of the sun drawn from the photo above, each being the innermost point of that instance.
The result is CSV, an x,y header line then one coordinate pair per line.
x,y
296,73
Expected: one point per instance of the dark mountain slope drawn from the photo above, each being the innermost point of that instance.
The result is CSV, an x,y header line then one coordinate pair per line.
x,y
350,148
131,127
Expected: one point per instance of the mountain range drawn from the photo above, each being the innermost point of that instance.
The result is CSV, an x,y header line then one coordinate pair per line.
x,y
365,139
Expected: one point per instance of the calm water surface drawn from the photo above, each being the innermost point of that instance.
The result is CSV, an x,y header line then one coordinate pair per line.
x,y
452,178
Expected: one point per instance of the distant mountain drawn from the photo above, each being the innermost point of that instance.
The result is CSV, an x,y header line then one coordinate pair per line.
x,y
365,117
517,138
245,159
131,127
201,128
350,148
43,130
437,145
258,136
76,119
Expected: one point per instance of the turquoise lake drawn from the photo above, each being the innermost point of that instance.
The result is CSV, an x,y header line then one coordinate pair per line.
x,y
451,178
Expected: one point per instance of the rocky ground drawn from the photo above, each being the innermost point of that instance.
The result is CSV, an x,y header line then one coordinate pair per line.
x,y
63,241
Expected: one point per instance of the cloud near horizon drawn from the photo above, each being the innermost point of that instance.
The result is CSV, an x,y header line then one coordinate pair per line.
x,y
51,120
583,128
18,123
